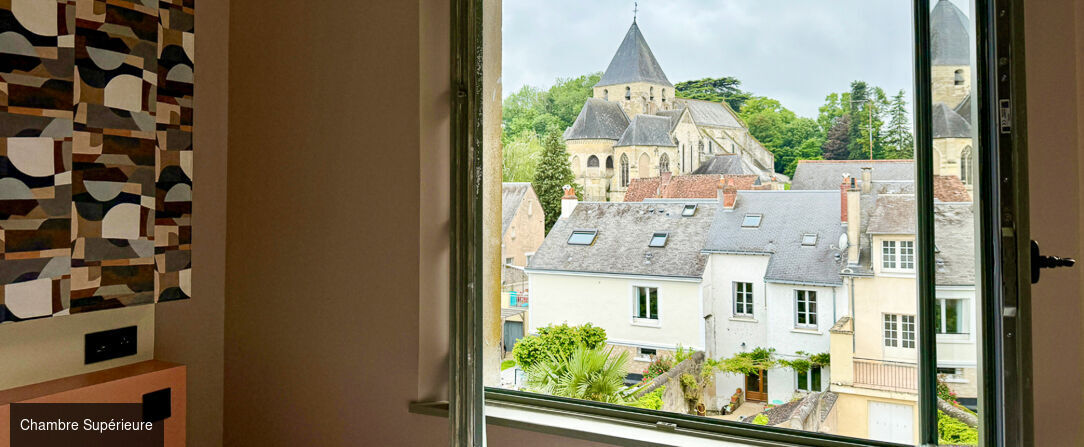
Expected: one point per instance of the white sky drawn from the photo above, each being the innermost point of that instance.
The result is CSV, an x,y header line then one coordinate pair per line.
x,y
796,51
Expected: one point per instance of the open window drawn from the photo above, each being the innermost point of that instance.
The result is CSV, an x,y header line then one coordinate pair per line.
x,y
870,188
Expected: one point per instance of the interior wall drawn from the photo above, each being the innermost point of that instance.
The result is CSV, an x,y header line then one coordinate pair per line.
x,y
1055,93
191,331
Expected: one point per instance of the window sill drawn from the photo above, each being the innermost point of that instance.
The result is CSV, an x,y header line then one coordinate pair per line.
x,y
744,319
646,322
810,331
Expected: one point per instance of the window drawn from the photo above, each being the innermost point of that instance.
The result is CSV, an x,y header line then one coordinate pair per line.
x,y
528,256
647,303
952,375
958,77
658,240
592,161
966,162
688,210
809,239
582,237
645,354
949,316
810,380
701,148
899,331
751,221
651,91
664,164
898,255
628,93
743,299
624,171
605,95
509,261
609,162
805,304
663,95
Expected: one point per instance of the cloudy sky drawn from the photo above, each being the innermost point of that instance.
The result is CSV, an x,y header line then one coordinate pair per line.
x,y
796,51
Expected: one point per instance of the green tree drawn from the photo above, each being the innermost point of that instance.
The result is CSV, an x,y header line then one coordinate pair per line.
x,y
520,158
836,105
789,137
865,108
837,140
589,374
899,142
724,89
552,175
556,341
566,97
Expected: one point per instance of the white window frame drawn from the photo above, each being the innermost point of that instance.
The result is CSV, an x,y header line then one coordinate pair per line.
x,y
908,332
646,357
743,298
961,316
898,255
890,330
808,380
800,296
648,321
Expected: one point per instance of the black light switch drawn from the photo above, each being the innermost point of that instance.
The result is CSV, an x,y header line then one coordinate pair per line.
x,y
111,344
157,405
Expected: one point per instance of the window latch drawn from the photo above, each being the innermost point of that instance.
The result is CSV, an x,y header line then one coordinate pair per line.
x,y
668,426
1039,261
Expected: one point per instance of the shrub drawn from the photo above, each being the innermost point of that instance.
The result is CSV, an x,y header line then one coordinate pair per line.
x,y
560,341
954,432
507,364
761,419
658,367
591,374
650,401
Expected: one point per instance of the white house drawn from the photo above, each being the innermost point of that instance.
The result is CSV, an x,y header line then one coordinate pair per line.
x,y
773,282
634,269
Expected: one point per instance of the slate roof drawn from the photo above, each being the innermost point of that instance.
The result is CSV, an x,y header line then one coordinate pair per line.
x,y
954,233
949,35
707,113
598,119
512,194
722,164
621,246
787,216
647,130
685,186
633,62
949,124
827,174
674,115
964,108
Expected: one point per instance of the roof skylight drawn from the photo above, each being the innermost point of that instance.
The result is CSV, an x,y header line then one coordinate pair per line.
x,y
689,210
658,240
751,221
809,239
582,237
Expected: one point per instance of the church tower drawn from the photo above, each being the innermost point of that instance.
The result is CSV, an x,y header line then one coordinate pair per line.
x,y
634,78
950,43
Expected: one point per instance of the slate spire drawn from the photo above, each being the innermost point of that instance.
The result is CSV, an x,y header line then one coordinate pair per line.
x,y
634,62
950,38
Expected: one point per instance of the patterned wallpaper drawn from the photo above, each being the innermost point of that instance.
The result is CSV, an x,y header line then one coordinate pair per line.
x,y
95,154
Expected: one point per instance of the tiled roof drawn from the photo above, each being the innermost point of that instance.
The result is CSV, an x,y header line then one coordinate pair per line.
x,y
707,113
647,130
722,164
828,174
949,188
949,124
621,245
693,186
512,193
598,119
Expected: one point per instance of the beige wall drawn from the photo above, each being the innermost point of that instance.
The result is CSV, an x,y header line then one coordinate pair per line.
x,y
852,411
641,101
595,181
1055,83
944,84
526,232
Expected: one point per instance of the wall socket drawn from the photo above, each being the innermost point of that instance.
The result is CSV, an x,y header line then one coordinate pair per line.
x,y
111,344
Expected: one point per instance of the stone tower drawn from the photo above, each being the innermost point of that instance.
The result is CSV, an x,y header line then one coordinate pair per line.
x,y
950,53
634,78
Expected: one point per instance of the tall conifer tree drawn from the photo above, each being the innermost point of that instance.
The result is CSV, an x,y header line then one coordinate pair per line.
x,y
551,177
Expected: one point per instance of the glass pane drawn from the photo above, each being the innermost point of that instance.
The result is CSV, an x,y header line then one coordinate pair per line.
x,y
796,147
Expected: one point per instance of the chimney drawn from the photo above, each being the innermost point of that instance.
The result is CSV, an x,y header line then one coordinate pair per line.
x,y
727,193
867,179
843,187
664,181
568,202
854,218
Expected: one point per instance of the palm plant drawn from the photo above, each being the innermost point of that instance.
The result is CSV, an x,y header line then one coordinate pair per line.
x,y
590,374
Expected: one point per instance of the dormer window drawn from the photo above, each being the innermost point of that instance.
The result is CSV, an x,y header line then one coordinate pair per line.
x,y
751,221
809,239
689,210
658,240
582,237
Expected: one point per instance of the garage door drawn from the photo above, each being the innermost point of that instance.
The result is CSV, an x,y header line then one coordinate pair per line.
x,y
891,422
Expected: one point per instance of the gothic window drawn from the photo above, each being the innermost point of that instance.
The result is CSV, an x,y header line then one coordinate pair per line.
x,y
592,162
624,170
609,162
644,166
605,94
664,163
959,77
663,95
967,162
651,92
701,147
710,148
576,165
628,92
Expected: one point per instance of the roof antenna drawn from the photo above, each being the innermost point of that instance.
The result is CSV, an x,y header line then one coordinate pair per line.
x,y
635,9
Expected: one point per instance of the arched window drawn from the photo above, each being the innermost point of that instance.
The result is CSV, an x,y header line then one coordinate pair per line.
x,y
628,92
967,163
644,166
605,94
624,170
609,162
711,149
701,147
663,95
592,162
576,165
959,77
651,93
664,163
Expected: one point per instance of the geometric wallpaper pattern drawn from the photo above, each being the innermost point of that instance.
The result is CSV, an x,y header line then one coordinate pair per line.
x,y
95,154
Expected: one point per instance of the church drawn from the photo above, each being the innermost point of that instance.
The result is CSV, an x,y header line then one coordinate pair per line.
x,y
635,127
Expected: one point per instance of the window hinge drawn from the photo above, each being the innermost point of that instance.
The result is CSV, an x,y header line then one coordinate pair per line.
x,y
668,426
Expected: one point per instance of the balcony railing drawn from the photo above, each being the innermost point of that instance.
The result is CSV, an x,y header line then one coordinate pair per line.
x,y
885,375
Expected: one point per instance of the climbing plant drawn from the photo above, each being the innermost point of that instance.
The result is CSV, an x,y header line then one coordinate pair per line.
x,y
805,361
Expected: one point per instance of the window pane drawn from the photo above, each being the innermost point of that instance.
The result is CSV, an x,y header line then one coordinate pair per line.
x,y
815,378
654,303
803,380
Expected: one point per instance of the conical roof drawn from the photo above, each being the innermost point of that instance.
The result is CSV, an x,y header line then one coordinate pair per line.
x,y
949,124
950,40
634,62
598,119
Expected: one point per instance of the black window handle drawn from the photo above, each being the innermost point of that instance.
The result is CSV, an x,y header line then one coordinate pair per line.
x,y
1039,261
